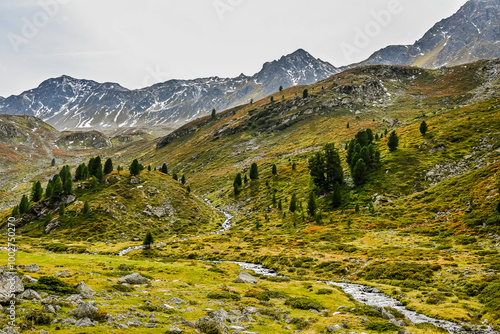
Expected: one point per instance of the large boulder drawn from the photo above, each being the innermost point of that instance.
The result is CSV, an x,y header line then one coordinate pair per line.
x,y
85,291
84,310
31,268
245,277
30,295
85,322
134,278
52,226
10,284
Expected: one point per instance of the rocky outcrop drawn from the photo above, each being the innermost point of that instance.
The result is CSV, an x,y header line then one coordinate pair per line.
x,y
245,277
10,284
85,310
134,278
85,291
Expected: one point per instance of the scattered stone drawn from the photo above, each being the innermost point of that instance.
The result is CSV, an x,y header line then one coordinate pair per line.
x,y
48,308
70,321
29,279
334,328
245,277
30,268
120,326
30,295
150,325
134,278
44,332
52,226
175,300
9,283
85,322
136,180
62,274
8,330
250,310
175,330
85,291
169,307
84,310
133,323
399,323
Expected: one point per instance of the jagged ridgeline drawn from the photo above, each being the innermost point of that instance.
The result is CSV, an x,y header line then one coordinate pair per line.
x,y
99,202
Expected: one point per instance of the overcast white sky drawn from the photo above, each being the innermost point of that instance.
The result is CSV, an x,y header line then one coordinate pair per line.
x,y
140,42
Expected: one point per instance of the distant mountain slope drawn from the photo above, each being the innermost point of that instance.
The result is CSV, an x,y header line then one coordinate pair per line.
x,y
471,34
68,103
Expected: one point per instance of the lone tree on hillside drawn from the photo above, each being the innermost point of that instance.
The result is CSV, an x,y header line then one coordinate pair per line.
x,y
53,162
393,141
281,88
164,169
183,179
134,168
213,113
423,128
148,240
36,192
274,170
311,204
305,93
108,166
254,172
86,208
293,203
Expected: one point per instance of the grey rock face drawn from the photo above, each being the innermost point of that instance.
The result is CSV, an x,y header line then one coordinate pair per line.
x,y
84,310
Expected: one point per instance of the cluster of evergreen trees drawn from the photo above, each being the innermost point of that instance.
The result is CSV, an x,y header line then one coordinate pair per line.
x,y
362,156
326,169
94,169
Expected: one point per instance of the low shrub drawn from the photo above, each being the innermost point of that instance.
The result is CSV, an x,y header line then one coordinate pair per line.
x,y
52,284
223,295
303,303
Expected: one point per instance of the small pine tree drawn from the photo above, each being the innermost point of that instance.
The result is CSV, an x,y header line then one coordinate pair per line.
x,y
62,208
164,169
274,170
238,180
183,179
336,195
99,174
280,205
349,223
15,211
305,93
294,166
148,240
393,141
274,198
254,172
57,189
175,177
24,205
53,162
188,189
68,186
48,190
281,88
86,208
93,182
236,189
356,208
376,137
348,125
245,179
134,167
213,113
36,192
108,166
423,128
293,203
318,217
311,204
359,172
149,168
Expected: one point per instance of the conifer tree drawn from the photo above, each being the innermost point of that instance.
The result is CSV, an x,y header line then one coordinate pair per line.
x,y
62,208
188,189
311,204
254,172
336,196
85,172
148,240
15,211
333,167
393,141
68,186
24,205
86,208
245,179
183,179
49,189
57,189
53,162
36,192
236,189
213,113
274,198
238,180
347,126
108,166
175,177
281,88
498,207
78,173
99,174
164,169
294,166
305,93
359,172
293,203
280,205
274,170
423,128
149,168
356,209
134,167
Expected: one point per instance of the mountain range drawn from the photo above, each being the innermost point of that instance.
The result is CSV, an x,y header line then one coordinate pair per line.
x,y
471,34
